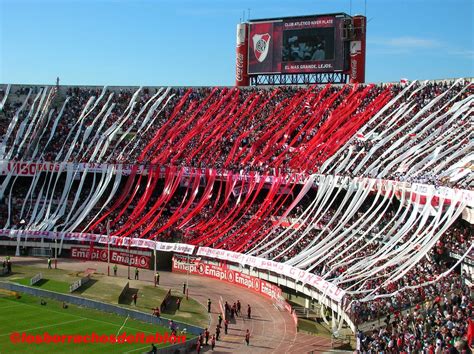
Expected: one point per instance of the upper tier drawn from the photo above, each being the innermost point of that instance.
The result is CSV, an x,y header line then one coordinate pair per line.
x,y
418,132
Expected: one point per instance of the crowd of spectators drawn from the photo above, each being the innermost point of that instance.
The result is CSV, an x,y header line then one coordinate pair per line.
x,y
251,129
369,150
436,326
455,240
408,312
265,131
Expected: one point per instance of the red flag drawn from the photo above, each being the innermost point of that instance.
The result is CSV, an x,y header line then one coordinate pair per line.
x,y
470,333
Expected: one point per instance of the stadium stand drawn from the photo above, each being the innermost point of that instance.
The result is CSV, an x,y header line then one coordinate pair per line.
x,y
312,177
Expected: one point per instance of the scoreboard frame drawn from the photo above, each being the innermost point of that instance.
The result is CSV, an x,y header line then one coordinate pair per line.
x,y
297,50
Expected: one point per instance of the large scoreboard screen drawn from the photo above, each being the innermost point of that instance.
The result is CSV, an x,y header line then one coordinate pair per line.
x,y
296,45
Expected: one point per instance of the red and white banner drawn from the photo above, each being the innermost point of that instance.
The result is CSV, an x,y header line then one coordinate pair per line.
x,y
102,239
21,168
298,275
423,191
136,260
199,267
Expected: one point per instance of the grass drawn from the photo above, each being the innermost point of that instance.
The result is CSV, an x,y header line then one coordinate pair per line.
x,y
58,280
28,315
47,284
107,289
190,310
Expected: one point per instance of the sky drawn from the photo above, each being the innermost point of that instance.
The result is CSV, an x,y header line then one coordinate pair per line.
x,y
192,42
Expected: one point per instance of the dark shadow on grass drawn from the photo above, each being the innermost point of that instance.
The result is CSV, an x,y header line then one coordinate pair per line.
x,y
85,286
41,282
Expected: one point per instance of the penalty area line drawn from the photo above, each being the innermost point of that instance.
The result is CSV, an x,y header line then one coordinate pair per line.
x,y
90,319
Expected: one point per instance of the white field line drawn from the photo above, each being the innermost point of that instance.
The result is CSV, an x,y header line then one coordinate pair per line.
x,y
122,326
91,319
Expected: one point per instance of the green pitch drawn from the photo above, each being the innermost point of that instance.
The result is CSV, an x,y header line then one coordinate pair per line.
x,y
28,315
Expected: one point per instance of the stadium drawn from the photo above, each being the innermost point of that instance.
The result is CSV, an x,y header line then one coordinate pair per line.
x,y
302,210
